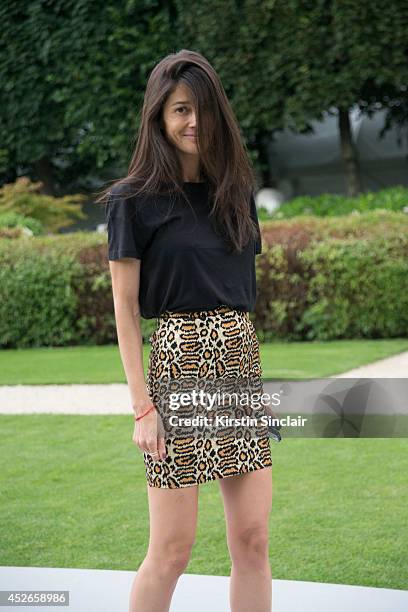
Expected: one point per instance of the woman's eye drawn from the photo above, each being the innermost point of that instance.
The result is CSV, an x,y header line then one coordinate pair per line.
x,y
180,108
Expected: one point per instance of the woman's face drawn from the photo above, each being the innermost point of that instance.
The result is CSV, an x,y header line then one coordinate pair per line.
x,y
180,120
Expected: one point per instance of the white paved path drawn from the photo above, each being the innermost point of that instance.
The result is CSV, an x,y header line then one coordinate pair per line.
x,y
65,399
108,591
115,398
391,367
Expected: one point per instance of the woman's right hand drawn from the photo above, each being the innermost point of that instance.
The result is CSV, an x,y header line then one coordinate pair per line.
x,y
148,435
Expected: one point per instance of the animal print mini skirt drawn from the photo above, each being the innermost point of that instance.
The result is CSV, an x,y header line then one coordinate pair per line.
x,y
197,351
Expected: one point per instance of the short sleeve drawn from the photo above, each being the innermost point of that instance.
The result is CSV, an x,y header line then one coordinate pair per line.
x,y
254,216
125,233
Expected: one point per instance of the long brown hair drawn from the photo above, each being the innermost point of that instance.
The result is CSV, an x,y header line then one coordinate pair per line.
x,y
224,163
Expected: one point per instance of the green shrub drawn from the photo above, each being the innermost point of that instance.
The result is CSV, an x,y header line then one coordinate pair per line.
x,y
357,290
317,278
330,205
37,305
56,291
13,219
25,198
306,277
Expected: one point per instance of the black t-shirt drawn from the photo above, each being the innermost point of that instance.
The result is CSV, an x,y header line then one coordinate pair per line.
x,y
185,264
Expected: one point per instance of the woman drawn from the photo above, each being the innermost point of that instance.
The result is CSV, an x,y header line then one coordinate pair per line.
x,y
183,233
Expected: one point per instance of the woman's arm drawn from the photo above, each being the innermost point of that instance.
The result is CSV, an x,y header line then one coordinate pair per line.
x,y
125,275
148,432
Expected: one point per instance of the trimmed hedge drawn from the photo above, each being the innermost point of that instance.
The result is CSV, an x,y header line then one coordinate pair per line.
x,y
318,278
332,278
56,291
358,290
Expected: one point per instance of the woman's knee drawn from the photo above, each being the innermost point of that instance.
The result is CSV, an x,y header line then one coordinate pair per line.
x,y
173,519
249,545
172,558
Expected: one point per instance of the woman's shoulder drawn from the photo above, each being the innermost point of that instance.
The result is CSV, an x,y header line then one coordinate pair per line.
x,y
131,201
126,196
136,191
125,191
122,202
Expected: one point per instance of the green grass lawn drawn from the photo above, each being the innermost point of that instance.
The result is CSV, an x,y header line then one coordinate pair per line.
x,y
74,495
102,364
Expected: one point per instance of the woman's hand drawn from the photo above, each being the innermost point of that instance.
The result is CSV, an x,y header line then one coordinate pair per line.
x,y
270,412
273,429
148,435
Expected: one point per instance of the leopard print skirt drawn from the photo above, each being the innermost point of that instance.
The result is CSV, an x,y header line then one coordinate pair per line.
x,y
204,345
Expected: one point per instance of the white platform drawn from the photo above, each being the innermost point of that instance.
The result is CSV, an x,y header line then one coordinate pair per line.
x,y
108,591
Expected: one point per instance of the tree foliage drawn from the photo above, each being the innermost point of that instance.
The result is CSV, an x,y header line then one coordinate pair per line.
x,y
285,62
74,73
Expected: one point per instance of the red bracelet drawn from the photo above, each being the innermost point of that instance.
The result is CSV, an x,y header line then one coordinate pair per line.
x,y
144,413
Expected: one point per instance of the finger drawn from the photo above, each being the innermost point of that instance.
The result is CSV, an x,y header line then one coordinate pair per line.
x,y
153,452
160,427
135,435
161,447
270,411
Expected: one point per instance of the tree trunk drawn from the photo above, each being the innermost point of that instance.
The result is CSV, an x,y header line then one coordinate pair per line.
x,y
263,139
44,171
349,154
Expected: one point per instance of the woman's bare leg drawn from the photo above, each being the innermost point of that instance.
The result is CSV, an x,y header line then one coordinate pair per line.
x,y
173,521
247,504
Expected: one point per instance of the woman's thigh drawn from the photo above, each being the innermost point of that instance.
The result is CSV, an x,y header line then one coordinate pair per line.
x,y
247,502
173,519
